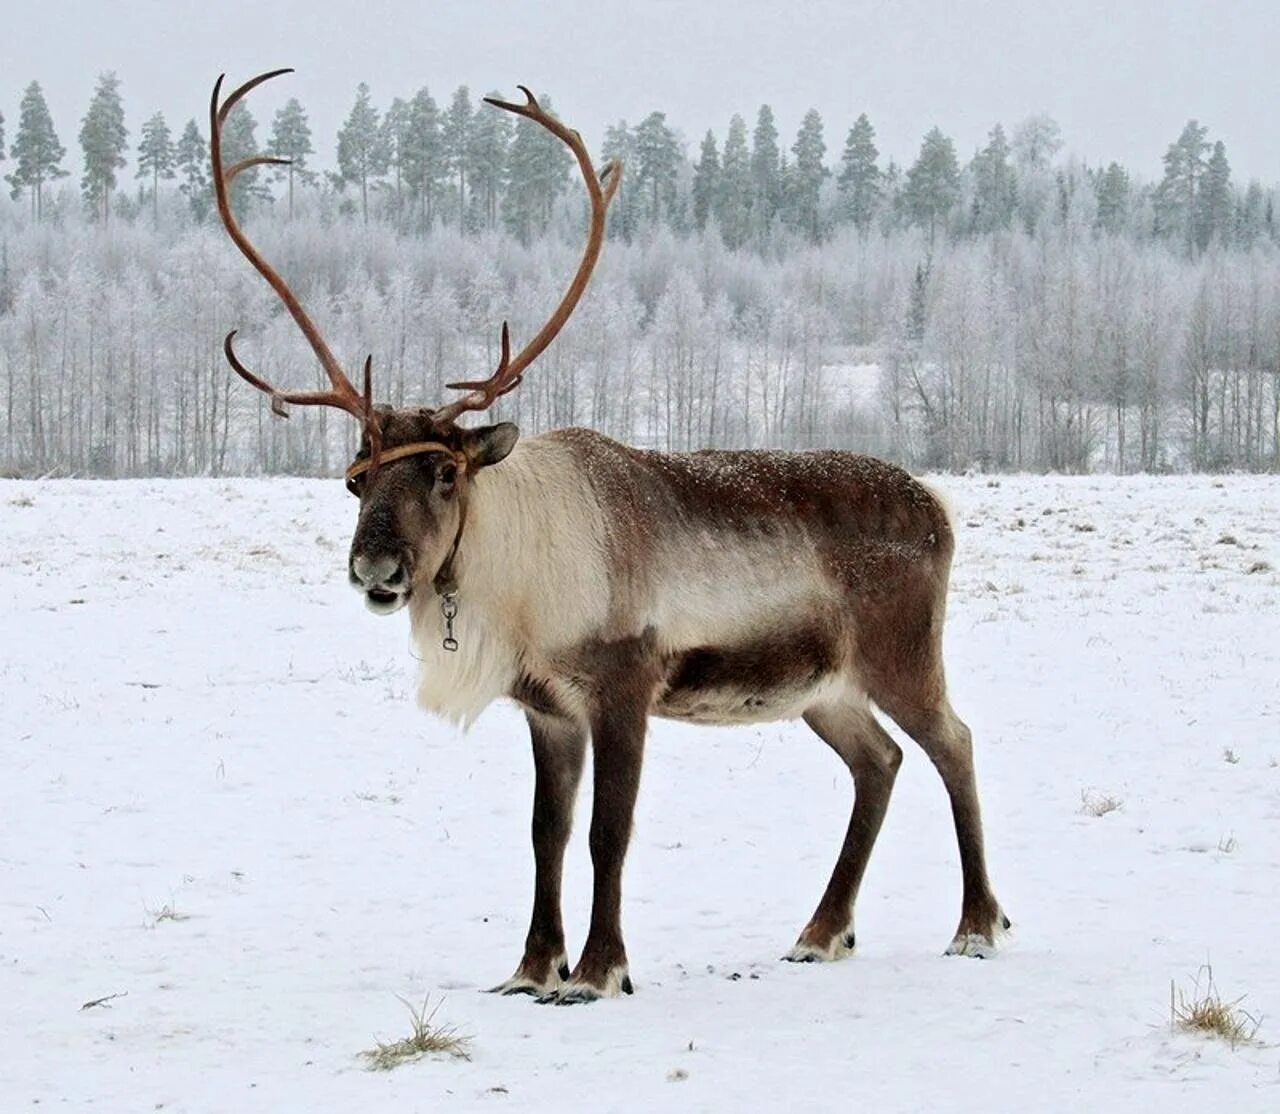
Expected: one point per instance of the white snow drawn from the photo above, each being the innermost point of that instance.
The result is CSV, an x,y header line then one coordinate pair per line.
x,y
218,799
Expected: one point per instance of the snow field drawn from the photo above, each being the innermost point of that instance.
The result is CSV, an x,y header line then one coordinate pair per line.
x,y
218,799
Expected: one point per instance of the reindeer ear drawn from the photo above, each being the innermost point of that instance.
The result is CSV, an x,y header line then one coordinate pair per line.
x,y
490,444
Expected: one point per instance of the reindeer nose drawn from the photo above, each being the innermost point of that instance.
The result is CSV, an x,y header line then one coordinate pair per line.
x,y
376,572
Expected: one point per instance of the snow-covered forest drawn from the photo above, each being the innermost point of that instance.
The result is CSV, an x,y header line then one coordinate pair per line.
x,y
1009,308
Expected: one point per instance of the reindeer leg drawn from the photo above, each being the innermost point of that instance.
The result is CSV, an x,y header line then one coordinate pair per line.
x,y
617,742
559,749
873,759
946,740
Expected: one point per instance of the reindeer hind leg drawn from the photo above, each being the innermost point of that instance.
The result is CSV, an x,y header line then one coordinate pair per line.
x,y
851,730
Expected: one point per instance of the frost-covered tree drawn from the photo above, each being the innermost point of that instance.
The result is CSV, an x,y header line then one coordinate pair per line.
x,y
104,140
538,170
1215,202
156,155
933,182
1251,215
422,155
807,173
657,166
456,135
240,141
706,181
291,139
859,182
624,211
394,128
192,158
1177,196
733,205
766,172
490,136
362,151
1113,198
995,194
1035,141
36,150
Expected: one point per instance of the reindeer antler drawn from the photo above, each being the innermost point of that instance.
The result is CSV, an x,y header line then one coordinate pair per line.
x,y
507,377
344,396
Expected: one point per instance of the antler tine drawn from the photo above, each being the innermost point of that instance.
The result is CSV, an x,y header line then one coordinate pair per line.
x,y
344,395
600,190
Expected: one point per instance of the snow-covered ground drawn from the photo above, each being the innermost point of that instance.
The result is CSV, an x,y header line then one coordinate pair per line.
x,y
218,800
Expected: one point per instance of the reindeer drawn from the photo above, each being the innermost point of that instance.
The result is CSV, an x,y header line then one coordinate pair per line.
x,y
597,585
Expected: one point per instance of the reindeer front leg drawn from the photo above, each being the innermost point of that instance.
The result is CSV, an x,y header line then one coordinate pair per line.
x,y
617,747
559,748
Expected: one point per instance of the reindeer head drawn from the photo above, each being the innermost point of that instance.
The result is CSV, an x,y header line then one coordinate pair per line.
x,y
413,503
415,466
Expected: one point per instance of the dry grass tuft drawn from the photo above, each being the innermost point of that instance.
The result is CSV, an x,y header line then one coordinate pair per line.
x,y
167,912
427,1038
1098,804
1203,1011
1230,757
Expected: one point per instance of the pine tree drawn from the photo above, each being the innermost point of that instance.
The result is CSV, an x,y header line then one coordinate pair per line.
x,y
1177,195
1214,205
995,191
362,153
893,208
456,133
155,158
394,128
192,155
733,205
538,171
422,155
240,141
624,212
291,139
103,138
35,149
1,137
766,172
657,164
1113,198
706,181
859,182
806,176
1251,217
933,182
490,136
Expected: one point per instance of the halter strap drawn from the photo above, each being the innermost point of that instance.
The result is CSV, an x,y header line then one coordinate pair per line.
x,y
415,448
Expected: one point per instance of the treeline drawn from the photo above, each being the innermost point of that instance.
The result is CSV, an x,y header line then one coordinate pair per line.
x,y
417,165
1019,312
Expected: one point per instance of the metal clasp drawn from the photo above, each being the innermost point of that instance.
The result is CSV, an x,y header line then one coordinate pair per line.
x,y
449,609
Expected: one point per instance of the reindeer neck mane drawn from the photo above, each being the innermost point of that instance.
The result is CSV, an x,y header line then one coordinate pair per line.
x,y
532,579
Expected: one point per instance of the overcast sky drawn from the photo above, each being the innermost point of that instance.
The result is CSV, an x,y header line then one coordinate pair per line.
x,y
1121,77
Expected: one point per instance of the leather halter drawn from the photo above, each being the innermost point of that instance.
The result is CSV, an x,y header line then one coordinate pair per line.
x,y
444,581
414,448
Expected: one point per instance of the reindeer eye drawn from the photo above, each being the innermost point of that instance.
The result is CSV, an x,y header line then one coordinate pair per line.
x,y
354,484
448,473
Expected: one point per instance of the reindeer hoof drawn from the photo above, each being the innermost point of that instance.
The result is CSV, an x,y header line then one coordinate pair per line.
x,y
840,947
522,983
577,992
979,945
517,986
